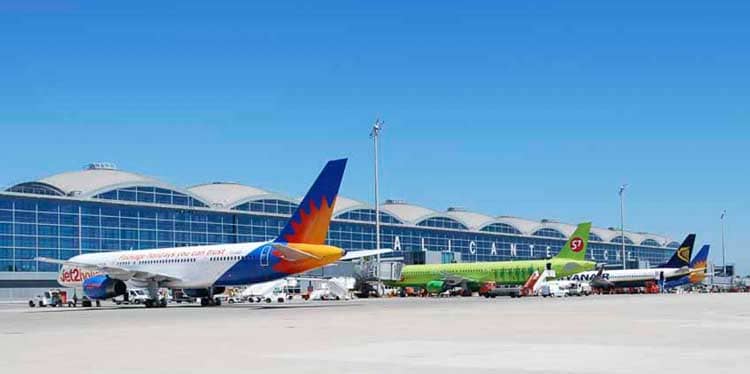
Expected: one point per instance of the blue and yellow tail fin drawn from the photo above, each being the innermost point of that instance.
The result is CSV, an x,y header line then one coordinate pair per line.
x,y
701,259
309,224
681,257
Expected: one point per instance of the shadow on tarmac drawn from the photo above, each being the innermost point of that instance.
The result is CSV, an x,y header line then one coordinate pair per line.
x,y
322,305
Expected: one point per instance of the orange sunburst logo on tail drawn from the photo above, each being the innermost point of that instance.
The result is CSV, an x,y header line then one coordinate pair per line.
x,y
311,227
699,275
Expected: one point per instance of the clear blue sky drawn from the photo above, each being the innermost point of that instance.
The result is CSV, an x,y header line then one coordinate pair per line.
x,y
537,109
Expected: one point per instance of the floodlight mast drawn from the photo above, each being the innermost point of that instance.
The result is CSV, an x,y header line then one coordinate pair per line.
x,y
622,222
377,127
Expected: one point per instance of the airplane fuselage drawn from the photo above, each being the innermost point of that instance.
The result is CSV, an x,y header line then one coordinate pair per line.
x,y
202,266
501,272
632,277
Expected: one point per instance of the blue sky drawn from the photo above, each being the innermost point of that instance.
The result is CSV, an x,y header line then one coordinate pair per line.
x,y
536,109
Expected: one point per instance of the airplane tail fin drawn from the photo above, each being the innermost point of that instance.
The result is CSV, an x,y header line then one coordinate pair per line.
x,y
699,265
309,223
599,272
700,261
681,257
575,248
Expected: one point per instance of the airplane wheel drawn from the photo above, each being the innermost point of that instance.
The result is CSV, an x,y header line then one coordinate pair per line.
x,y
163,303
204,301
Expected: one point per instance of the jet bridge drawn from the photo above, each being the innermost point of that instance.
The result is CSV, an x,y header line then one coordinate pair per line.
x,y
389,270
370,276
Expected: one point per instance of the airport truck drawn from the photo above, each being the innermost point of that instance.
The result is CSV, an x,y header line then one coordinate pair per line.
x,y
513,292
55,297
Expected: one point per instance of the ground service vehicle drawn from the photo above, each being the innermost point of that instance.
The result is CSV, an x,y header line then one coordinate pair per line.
x,y
134,296
52,297
503,291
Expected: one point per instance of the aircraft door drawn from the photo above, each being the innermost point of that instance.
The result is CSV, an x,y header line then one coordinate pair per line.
x,y
264,253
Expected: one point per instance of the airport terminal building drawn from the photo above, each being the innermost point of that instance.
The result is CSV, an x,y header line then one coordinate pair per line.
x,y
102,208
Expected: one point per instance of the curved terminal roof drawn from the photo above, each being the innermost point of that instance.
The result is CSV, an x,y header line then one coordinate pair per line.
x,y
100,178
96,179
472,220
344,204
229,194
409,213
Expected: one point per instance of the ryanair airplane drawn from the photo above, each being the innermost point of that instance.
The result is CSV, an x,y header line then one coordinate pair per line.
x,y
677,267
203,271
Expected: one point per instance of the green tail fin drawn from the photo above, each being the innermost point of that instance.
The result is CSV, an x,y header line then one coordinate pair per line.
x,y
575,248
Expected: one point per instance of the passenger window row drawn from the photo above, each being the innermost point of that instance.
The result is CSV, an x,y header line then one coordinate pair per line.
x,y
225,258
150,262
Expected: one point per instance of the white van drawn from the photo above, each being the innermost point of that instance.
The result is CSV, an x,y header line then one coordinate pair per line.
x,y
135,296
553,289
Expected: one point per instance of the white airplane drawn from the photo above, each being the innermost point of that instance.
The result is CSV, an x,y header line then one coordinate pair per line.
x,y
202,271
677,267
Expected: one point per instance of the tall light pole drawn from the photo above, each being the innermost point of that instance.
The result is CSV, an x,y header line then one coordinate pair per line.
x,y
375,135
723,249
622,222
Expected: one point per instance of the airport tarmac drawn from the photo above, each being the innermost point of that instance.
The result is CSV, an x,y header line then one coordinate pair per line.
x,y
692,333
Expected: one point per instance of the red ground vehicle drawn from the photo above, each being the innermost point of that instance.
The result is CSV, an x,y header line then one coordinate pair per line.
x,y
652,287
487,287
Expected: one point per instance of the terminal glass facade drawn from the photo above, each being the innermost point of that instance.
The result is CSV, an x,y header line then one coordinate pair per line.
x,y
40,225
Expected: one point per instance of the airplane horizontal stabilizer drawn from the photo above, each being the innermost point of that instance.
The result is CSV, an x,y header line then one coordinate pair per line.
x,y
291,254
364,253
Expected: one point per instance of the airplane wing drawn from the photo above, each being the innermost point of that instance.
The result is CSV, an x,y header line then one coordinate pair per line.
x,y
115,272
365,253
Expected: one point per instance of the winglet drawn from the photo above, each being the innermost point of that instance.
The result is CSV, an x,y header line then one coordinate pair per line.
x,y
310,222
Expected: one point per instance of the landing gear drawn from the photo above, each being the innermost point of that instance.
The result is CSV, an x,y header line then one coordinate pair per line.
x,y
154,300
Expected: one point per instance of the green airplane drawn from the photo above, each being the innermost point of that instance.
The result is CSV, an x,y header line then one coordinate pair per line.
x,y
471,276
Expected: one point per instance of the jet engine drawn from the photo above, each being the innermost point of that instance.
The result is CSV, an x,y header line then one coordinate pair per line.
x,y
435,286
102,287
